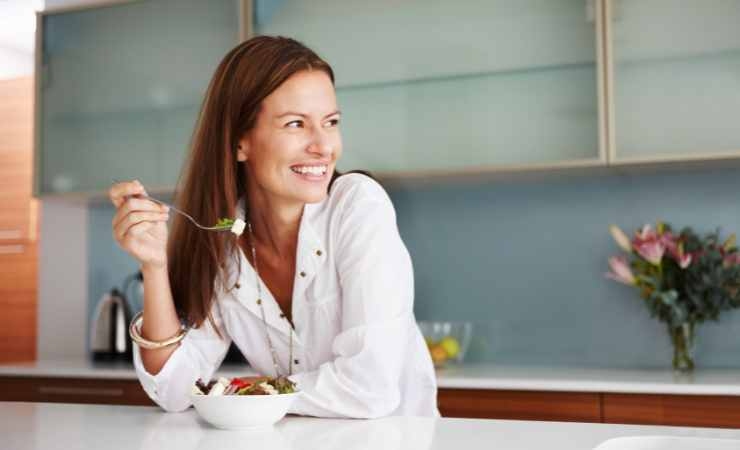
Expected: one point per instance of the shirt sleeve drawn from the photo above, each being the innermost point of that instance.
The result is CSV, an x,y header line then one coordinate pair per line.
x,y
376,278
199,354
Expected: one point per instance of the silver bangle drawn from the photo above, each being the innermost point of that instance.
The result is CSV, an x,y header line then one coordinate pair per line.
x,y
134,331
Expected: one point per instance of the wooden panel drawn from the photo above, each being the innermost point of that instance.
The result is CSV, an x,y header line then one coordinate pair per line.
x,y
16,114
522,405
18,269
18,301
682,410
16,159
73,390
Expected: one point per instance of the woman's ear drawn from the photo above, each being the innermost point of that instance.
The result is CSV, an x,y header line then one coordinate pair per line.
x,y
241,151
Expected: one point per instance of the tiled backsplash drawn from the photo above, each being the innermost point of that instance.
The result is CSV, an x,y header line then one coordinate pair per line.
x,y
525,262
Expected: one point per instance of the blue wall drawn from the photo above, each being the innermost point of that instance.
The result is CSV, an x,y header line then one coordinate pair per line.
x,y
525,261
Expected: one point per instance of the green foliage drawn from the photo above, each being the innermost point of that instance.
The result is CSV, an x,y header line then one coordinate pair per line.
x,y
701,291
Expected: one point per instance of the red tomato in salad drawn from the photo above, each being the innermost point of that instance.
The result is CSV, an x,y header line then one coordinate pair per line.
x,y
238,383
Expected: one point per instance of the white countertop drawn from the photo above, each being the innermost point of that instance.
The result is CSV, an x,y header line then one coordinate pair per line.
x,y
42,426
471,376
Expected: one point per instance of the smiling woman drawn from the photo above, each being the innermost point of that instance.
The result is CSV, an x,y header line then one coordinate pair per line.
x,y
319,288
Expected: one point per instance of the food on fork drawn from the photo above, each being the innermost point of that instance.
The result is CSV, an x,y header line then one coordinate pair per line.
x,y
236,226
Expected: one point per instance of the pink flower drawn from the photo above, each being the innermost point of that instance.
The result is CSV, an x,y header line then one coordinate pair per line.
x,y
683,260
620,270
649,245
651,251
646,233
674,246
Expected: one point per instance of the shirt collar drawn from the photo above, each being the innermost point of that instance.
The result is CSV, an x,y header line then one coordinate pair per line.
x,y
310,256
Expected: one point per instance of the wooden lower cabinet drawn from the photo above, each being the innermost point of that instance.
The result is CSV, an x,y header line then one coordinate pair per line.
x,y
73,390
18,223
521,405
681,410
642,409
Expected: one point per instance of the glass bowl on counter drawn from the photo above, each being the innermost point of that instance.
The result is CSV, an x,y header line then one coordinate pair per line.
x,y
447,341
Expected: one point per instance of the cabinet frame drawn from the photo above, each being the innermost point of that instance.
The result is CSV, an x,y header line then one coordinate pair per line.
x,y
246,30
717,158
245,12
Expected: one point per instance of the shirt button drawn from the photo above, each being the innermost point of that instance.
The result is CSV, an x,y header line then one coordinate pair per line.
x,y
318,253
282,316
295,361
259,301
237,285
303,274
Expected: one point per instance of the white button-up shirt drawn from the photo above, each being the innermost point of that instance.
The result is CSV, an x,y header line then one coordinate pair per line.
x,y
357,349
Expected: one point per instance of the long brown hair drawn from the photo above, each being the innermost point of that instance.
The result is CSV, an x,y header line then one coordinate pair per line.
x,y
213,180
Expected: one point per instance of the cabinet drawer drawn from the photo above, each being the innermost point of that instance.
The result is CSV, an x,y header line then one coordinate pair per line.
x,y
73,390
679,410
522,405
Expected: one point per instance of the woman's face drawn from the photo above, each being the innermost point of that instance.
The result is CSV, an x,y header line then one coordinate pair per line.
x,y
291,152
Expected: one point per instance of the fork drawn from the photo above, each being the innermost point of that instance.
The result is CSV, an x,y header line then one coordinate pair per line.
x,y
179,211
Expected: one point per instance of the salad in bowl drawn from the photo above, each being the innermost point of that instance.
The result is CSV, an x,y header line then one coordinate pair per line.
x,y
243,403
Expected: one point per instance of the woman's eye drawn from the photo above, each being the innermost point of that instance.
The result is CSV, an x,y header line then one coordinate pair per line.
x,y
334,122
290,123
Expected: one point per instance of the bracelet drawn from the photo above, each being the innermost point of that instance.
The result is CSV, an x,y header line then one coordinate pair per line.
x,y
135,326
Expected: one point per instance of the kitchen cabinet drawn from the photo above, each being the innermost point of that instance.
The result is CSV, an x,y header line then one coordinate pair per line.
x,y
120,87
73,390
595,407
685,410
673,80
18,223
721,411
507,84
495,84
520,405
504,86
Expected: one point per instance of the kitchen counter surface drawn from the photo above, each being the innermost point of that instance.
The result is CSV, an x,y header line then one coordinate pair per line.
x,y
471,376
41,426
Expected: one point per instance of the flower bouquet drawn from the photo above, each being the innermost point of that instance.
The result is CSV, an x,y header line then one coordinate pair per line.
x,y
684,279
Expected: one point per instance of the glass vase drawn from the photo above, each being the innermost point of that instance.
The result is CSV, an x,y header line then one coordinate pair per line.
x,y
683,338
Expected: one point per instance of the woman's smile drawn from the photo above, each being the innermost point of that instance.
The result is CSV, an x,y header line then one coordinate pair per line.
x,y
311,172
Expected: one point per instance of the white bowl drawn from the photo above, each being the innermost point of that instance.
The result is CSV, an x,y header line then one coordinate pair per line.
x,y
242,412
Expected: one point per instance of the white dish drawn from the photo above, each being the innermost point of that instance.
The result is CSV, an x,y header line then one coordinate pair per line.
x,y
668,443
242,412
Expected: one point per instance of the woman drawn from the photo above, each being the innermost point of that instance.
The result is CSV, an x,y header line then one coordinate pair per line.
x,y
336,281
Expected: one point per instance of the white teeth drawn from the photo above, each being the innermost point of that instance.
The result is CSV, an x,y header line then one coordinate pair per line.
x,y
313,170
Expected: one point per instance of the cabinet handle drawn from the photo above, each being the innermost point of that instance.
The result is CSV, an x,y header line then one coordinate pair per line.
x,y
66,390
12,249
7,235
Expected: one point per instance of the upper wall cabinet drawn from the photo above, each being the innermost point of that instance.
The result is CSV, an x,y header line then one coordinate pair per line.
x,y
675,69
120,87
441,86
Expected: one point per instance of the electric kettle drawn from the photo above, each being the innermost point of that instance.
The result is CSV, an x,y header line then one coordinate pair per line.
x,y
109,339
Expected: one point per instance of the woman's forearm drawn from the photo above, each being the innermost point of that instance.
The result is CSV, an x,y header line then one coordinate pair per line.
x,y
160,319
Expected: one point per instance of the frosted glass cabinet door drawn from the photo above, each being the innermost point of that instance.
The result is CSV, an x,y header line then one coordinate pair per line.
x,y
441,85
676,78
121,86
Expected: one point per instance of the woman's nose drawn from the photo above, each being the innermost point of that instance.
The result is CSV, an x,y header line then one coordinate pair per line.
x,y
323,144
